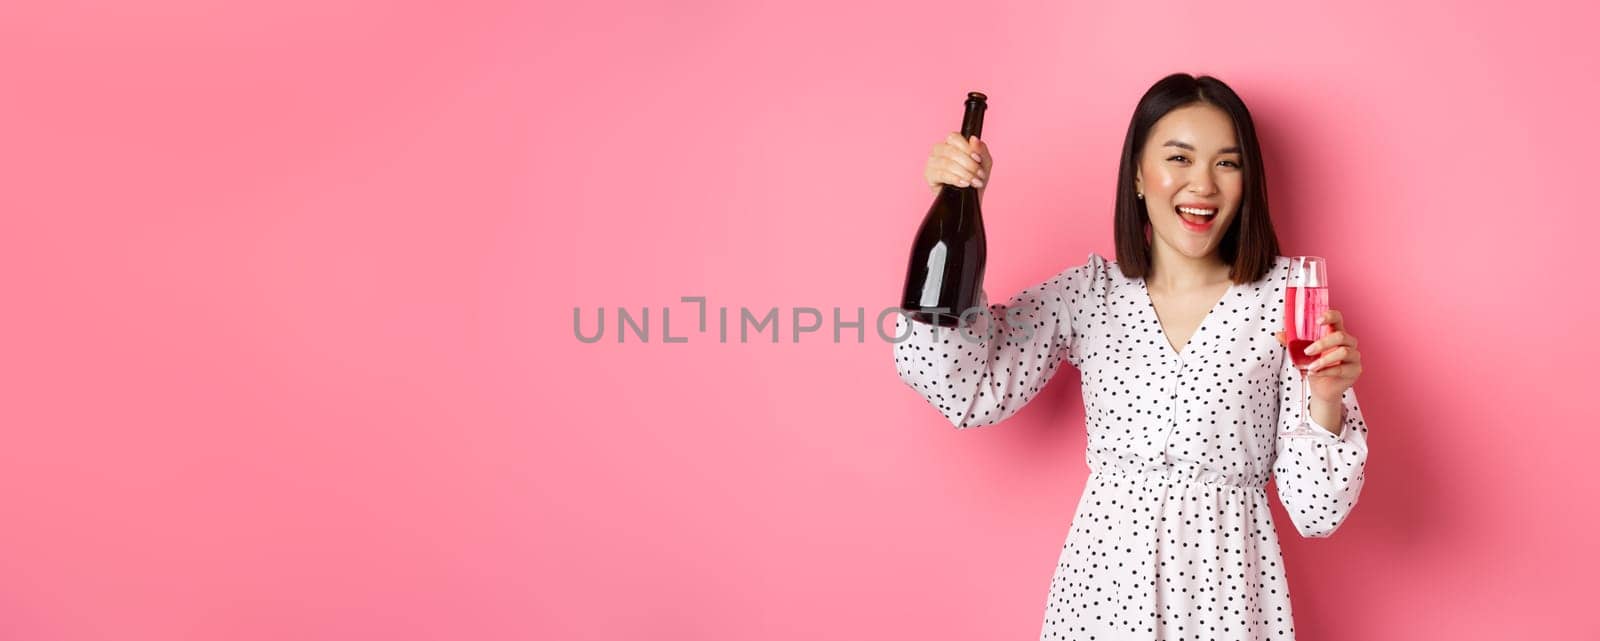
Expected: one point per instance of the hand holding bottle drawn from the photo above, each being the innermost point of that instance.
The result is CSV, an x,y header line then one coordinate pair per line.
x,y
960,162
944,278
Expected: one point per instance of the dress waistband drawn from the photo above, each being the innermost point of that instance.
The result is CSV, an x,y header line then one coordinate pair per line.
x,y
1182,474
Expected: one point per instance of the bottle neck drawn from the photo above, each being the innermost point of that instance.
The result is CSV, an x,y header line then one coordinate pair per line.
x,y
972,125
972,122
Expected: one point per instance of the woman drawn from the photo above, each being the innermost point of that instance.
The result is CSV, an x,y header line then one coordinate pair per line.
x,y
1185,384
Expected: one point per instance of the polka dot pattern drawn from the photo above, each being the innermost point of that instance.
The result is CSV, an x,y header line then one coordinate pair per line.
x,y
1173,537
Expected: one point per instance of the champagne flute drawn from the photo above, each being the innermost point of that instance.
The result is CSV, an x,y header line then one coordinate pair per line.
x,y
1305,300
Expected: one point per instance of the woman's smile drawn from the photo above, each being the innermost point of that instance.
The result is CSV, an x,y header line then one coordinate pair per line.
x,y
1197,217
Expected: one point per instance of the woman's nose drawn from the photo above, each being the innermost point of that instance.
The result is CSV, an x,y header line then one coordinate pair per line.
x,y
1201,183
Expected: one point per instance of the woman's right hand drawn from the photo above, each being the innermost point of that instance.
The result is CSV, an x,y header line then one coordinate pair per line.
x,y
959,162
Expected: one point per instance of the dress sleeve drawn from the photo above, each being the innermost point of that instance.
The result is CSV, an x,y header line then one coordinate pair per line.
x,y
987,371
1319,479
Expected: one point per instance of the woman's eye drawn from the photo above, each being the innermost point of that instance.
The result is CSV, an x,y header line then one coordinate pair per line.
x,y
1182,158
1230,163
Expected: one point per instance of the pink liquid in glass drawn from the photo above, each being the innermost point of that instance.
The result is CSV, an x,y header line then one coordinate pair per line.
x,y
1302,311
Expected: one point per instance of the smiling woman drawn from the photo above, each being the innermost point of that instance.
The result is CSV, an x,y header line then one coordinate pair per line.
x,y
1184,386
1192,142
1194,210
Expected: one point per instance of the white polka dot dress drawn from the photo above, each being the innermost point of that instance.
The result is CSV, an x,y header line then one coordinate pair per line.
x,y
1173,537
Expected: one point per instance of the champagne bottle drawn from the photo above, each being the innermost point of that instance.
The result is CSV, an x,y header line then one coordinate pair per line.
x,y
947,258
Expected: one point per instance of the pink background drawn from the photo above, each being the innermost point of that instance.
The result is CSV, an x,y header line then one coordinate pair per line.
x,y
288,347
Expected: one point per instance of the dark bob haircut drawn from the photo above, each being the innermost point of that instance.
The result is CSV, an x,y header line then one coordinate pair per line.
x,y
1250,245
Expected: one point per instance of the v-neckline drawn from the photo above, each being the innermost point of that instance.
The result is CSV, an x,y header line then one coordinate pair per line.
x,y
1150,304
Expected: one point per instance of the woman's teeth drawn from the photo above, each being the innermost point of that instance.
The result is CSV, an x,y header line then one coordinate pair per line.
x,y
1196,216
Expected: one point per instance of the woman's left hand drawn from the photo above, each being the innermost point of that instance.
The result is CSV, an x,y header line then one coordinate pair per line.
x,y
1338,365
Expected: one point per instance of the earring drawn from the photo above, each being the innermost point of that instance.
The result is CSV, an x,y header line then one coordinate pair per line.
x,y
1141,196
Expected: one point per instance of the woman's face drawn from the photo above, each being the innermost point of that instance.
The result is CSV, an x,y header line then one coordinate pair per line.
x,y
1191,159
